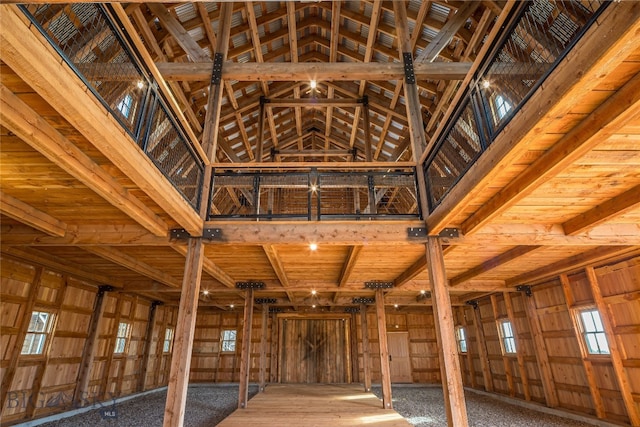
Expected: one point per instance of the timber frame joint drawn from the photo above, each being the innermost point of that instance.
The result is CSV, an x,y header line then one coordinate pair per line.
x,y
362,300
524,288
409,73
207,234
216,73
378,284
250,285
473,303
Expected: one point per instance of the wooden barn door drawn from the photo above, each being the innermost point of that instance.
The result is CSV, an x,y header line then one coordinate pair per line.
x,y
314,351
400,363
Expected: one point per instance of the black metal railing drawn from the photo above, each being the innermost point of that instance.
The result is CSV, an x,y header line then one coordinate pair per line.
x,y
541,34
314,195
86,35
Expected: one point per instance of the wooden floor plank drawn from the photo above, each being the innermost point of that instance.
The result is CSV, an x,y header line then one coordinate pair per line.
x,y
314,405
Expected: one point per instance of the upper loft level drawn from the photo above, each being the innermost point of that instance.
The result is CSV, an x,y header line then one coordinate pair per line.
x,y
311,118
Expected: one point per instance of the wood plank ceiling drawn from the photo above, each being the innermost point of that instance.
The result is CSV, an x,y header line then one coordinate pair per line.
x,y
558,190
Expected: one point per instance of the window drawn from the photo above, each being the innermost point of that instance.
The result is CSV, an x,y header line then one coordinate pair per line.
x,y
508,339
502,106
593,332
122,337
39,327
461,337
125,105
229,340
168,340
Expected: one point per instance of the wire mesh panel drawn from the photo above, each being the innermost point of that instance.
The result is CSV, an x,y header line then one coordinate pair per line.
x,y
343,194
285,195
457,151
173,155
85,37
395,194
542,34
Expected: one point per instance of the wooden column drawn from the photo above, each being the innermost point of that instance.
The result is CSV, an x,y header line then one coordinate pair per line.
x,y
614,349
445,328
482,349
273,378
366,358
598,405
368,157
443,370
89,352
263,346
245,357
183,337
23,326
354,348
260,140
540,348
146,352
516,337
385,371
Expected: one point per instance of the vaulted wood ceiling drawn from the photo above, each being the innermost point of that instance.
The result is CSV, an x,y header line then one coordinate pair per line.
x,y
558,189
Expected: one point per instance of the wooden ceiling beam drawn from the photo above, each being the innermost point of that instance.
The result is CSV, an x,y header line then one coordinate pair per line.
x,y
278,268
40,135
179,34
133,264
209,267
304,71
27,214
619,205
492,263
418,267
448,31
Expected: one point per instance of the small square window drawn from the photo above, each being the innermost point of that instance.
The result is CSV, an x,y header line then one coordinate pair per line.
x,y
168,340
228,340
37,332
461,337
122,337
593,332
507,337
125,105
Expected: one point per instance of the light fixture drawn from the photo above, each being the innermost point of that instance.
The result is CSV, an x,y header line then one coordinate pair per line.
x,y
313,292
395,305
231,305
313,84
486,84
313,246
423,292
313,306
205,292
313,188
140,84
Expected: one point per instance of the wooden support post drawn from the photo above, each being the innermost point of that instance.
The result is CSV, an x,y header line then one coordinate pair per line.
x,y
586,363
614,349
516,337
245,357
368,157
89,352
542,355
445,328
482,350
260,140
146,352
273,378
263,346
443,370
366,358
385,370
354,348
183,337
23,326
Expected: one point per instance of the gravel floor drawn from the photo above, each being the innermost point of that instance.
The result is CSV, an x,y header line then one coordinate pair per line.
x,y
206,406
421,406
424,406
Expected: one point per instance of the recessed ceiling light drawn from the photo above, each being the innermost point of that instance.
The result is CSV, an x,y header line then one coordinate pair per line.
x,y
313,246
140,84
423,292
313,84
231,305
205,292
395,305
486,84
313,292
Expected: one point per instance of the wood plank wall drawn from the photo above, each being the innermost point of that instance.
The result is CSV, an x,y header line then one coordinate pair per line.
x,y
584,383
39,385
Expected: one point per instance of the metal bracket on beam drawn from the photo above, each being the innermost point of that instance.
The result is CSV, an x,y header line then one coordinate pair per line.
x,y
524,288
276,309
473,303
352,309
178,234
265,300
216,74
364,100
156,303
212,234
409,74
376,284
249,285
416,232
363,300
450,232
105,288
